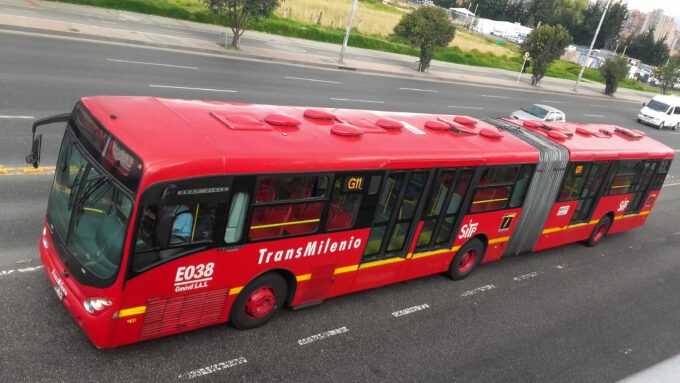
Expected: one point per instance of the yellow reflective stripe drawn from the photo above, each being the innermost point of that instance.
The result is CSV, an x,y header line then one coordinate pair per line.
x,y
235,290
380,263
499,240
553,230
346,269
429,253
456,248
94,210
131,311
303,277
580,224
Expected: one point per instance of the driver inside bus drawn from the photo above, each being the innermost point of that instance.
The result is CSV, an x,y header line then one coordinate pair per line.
x,y
181,225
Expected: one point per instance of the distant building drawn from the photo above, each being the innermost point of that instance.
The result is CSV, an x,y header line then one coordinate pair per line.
x,y
664,26
634,23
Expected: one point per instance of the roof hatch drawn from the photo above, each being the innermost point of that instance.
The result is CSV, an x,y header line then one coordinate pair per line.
x,y
240,121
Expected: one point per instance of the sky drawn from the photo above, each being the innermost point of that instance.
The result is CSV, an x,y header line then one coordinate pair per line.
x,y
670,7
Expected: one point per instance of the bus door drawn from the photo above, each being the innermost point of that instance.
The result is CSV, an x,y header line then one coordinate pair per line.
x,y
393,228
582,186
175,275
441,219
641,185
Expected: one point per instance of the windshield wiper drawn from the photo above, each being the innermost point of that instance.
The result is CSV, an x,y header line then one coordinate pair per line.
x,y
94,184
74,186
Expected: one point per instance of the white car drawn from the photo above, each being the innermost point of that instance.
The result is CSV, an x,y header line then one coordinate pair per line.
x,y
539,112
661,111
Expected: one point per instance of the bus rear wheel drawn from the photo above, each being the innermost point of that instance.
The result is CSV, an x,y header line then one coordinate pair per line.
x,y
599,231
258,302
467,258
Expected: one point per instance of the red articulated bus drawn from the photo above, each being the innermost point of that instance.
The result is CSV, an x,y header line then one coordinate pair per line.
x,y
169,215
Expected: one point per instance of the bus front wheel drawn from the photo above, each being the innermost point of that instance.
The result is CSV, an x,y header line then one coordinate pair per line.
x,y
466,259
599,231
259,301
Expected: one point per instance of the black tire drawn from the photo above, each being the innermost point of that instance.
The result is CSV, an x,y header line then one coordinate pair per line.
x,y
676,126
599,231
467,259
660,126
258,302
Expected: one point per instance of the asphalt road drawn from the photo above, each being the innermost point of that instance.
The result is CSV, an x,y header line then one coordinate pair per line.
x,y
572,314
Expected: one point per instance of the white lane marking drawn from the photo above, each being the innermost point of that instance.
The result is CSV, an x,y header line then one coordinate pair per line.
x,y
312,80
553,101
465,107
593,115
527,276
353,100
420,90
322,335
492,96
477,290
599,106
190,88
561,266
154,64
24,270
410,310
17,117
212,368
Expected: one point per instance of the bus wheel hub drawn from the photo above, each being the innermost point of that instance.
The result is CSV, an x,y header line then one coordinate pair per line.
x,y
261,302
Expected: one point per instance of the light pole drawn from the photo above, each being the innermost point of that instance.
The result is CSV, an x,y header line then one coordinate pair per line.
x,y
349,27
590,50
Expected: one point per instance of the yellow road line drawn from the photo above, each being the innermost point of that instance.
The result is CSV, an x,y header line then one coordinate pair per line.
x,y
26,170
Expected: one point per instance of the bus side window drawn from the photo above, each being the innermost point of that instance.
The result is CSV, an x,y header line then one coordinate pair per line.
x,y
236,220
520,189
344,206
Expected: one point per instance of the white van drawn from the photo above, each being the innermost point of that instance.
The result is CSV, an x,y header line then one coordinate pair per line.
x,y
661,111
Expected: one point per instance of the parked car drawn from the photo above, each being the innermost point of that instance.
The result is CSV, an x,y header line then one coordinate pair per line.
x,y
661,111
539,112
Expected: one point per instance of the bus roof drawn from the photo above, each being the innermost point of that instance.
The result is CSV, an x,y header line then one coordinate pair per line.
x,y
188,138
598,142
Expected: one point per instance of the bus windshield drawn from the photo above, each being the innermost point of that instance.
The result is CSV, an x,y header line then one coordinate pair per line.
x,y
90,215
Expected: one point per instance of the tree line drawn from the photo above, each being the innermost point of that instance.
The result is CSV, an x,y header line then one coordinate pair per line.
x,y
580,19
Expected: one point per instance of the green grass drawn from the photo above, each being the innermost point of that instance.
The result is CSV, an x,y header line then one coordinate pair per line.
x,y
195,10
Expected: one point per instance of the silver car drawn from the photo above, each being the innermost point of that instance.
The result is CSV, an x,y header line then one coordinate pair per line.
x,y
539,112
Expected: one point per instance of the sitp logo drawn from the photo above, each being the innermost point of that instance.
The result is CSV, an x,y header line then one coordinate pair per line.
x,y
623,205
468,229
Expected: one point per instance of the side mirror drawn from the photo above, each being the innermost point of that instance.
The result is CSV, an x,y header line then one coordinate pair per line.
x,y
644,104
33,158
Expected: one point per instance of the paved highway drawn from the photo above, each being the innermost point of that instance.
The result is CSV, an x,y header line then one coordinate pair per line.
x,y
572,314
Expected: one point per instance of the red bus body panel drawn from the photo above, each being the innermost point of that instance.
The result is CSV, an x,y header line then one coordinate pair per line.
x,y
180,139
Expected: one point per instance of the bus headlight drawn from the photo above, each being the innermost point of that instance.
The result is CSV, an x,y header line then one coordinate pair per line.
x,y
96,304
44,238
